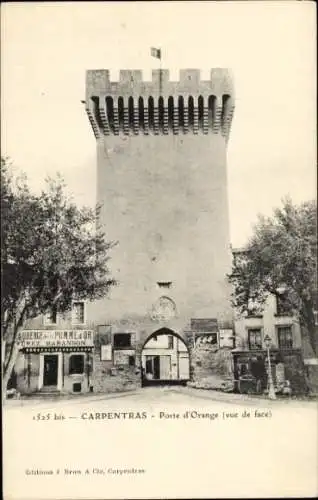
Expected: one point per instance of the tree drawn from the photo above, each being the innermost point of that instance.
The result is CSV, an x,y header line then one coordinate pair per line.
x,y
281,259
52,252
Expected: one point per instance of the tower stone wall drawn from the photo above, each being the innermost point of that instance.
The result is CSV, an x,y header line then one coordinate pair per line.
x,y
162,184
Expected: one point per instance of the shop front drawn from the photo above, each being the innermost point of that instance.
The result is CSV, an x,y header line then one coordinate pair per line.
x,y
250,369
54,361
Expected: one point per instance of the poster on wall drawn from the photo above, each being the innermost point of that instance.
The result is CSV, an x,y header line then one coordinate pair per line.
x,y
206,340
226,337
106,352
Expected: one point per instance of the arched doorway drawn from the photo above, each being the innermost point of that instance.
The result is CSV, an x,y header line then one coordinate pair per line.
x,y
164,359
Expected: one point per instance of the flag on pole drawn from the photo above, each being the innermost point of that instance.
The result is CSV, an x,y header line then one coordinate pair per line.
x,y
155,52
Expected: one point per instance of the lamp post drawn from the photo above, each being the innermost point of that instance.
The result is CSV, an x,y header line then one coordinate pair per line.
x,y
271,390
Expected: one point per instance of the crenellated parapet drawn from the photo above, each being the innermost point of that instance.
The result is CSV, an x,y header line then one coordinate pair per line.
x,y
132,106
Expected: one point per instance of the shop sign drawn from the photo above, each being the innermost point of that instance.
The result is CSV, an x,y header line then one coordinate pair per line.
x,y
204,325
55,338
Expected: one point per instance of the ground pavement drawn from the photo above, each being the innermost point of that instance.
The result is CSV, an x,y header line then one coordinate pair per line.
x,y
160,442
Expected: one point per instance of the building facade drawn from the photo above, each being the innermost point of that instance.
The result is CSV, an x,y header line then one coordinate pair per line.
x,y
286,347
56,353
162,184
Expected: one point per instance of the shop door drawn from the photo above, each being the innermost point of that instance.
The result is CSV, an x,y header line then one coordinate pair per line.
x,y
156,367
50,369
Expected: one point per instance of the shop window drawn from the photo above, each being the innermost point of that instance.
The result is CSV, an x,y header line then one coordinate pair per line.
x,y
285,337
255,338
12,382
122,340
243,369
76,364
78,313
50,317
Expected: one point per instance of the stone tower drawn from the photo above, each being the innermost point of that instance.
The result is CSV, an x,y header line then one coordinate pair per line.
x,y
162,181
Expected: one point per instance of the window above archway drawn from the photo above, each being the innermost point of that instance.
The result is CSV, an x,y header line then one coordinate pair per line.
x,y
164,284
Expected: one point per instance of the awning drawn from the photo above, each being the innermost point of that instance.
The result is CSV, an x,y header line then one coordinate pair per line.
x,y
56,349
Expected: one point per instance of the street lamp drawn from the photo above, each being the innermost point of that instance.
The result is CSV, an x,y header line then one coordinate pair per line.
x,y
271,390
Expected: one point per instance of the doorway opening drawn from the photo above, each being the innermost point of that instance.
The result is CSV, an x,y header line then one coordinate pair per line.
x,y
50,372
164,359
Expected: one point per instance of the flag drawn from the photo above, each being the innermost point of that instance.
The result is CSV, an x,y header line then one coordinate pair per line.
x,y
155,52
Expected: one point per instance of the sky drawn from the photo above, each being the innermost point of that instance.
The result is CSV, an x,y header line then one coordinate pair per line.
x,y
269,46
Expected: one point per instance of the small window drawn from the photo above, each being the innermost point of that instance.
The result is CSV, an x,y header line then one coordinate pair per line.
x,y
170,341
164,284
281,305
103,336
244,369
122,340
285,337
50,317
131,360
76,364
77,387
255,338
78,316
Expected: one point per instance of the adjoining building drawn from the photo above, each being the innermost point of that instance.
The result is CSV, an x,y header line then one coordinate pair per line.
x,y
56,354
286,345
162,183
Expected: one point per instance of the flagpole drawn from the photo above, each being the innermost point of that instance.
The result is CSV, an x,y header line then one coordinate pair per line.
x,y
156,52
160,74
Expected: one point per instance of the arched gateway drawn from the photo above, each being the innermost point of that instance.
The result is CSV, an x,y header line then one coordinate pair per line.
x,y
164,359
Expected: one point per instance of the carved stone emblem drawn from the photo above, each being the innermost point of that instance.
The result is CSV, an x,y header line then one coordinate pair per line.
x,y
164,309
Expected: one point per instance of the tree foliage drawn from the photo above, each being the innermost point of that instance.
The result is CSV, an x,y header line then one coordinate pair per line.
x,y
281,259
52,252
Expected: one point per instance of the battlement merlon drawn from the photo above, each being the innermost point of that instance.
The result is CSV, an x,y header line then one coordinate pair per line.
x,y
160,106
131,83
